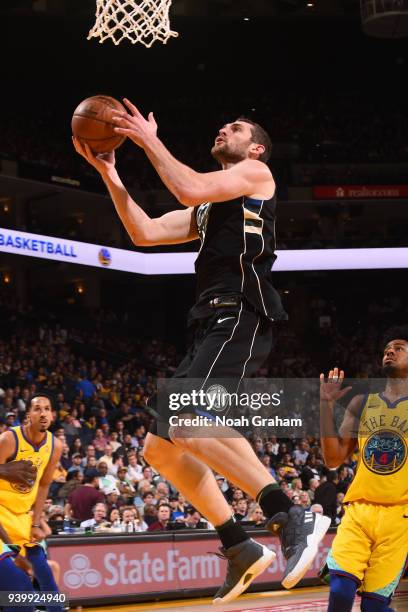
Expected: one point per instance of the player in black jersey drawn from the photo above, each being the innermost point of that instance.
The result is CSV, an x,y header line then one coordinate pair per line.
x,y
232,211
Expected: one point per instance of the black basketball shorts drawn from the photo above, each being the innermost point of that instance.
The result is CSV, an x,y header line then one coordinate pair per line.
x,y
228,346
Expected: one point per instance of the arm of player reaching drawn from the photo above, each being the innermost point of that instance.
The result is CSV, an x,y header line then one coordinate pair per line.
x,y
175,227
37,533
337,446
192,188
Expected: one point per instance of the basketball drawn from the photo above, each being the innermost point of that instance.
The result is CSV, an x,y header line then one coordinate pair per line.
x,y
92,123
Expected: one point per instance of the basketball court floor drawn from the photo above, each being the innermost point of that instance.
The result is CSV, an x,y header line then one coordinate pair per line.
x,y
309,599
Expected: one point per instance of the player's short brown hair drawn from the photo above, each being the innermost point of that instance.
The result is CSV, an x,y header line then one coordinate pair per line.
x,y
259,136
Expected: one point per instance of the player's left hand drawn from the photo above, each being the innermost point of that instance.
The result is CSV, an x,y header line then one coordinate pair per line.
x,y
37,534
331,390
134,125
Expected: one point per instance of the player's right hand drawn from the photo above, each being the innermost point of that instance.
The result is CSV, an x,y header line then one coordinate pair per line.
x,y
101,162
331,390
19,472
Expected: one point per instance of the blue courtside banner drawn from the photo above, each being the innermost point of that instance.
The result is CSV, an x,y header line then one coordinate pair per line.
x,y
99,256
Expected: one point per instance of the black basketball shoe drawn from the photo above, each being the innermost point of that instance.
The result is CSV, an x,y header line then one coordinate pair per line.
x,y
300,532
246,561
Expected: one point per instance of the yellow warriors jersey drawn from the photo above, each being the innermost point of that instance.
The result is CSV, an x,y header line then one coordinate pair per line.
x,y
17,497
382,470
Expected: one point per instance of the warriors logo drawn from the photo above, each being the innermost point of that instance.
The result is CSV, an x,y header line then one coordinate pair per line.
x,y
22,488
104,257
385,452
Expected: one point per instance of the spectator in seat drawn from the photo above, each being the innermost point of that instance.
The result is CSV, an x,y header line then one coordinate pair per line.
x,y
100,441
85,388
108,457
114,517
82,499
301,454
58,479
66,459
272,447
113,441
76,463
296,486
266,461
99,515
193,519
91,467
69,427
241,509
162,489
126,489
106,481
149,514
163,519
117,464
77,447
131,521
345,479
313,484
73,481
326,495
310,470
255,514
339,508
304,499
289,466
90,452
113,499
134,470
176,513
147,473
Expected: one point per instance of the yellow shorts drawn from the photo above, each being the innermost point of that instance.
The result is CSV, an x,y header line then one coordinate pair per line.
x,y
18,527
372,545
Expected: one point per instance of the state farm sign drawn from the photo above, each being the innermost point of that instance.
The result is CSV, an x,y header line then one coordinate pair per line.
x,y
143,567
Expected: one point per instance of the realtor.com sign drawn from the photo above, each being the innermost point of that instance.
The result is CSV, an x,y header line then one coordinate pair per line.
x,y
353,192
98,570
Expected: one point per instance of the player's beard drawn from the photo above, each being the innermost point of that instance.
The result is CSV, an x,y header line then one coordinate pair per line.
x,y
390,370
224,155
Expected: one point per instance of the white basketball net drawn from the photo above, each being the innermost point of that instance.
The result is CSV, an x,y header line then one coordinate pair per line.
x,y
143,21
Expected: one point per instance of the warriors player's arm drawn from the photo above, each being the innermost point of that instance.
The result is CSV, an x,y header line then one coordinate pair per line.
x,y
175,227
4,535
248,177
337,446
20,472
45,481
7,448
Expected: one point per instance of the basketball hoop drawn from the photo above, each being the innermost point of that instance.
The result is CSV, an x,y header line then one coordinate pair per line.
x,y
385,18
143,21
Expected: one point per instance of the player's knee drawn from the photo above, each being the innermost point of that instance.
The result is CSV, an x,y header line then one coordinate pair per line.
x,y
342,593
371,602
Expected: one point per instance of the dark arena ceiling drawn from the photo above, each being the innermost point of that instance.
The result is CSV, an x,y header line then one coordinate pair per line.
x,y
201,8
